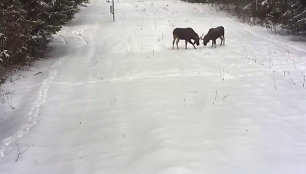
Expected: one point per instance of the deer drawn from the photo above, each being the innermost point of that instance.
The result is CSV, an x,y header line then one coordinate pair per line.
x,y
213,34
187,34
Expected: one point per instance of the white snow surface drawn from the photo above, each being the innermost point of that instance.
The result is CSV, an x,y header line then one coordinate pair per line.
x,y
114,98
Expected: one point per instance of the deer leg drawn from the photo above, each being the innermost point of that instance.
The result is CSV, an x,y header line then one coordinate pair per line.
x,y
177,41
223,40
192,44
173,42
214,43
185,44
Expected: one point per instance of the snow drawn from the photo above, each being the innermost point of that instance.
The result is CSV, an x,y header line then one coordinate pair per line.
x,y
248,6
113,97
4,54
265,2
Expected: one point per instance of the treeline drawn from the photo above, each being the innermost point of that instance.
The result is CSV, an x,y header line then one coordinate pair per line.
x,y
286,14
27,26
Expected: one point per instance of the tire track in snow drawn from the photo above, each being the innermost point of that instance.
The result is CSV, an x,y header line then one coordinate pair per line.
x,y
138,77
63,39
33,113
85,41
80,36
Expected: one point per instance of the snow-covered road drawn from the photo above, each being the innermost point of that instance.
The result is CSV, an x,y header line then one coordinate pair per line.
x,y
114,98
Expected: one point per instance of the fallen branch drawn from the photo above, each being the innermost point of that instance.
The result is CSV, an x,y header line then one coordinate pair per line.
x,y
37,73
19,153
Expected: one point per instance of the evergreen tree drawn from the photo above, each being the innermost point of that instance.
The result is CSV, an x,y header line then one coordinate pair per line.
x,y
29,24
289,14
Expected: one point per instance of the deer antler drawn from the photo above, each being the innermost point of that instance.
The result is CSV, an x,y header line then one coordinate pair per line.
x,y
202,36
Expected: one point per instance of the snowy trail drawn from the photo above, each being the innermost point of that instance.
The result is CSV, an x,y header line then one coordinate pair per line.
x,y
115,98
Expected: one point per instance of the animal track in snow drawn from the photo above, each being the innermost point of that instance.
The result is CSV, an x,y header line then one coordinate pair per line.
x,y
33,113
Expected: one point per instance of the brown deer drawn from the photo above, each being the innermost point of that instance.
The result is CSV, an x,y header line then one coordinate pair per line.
x,y
213,34
185,34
